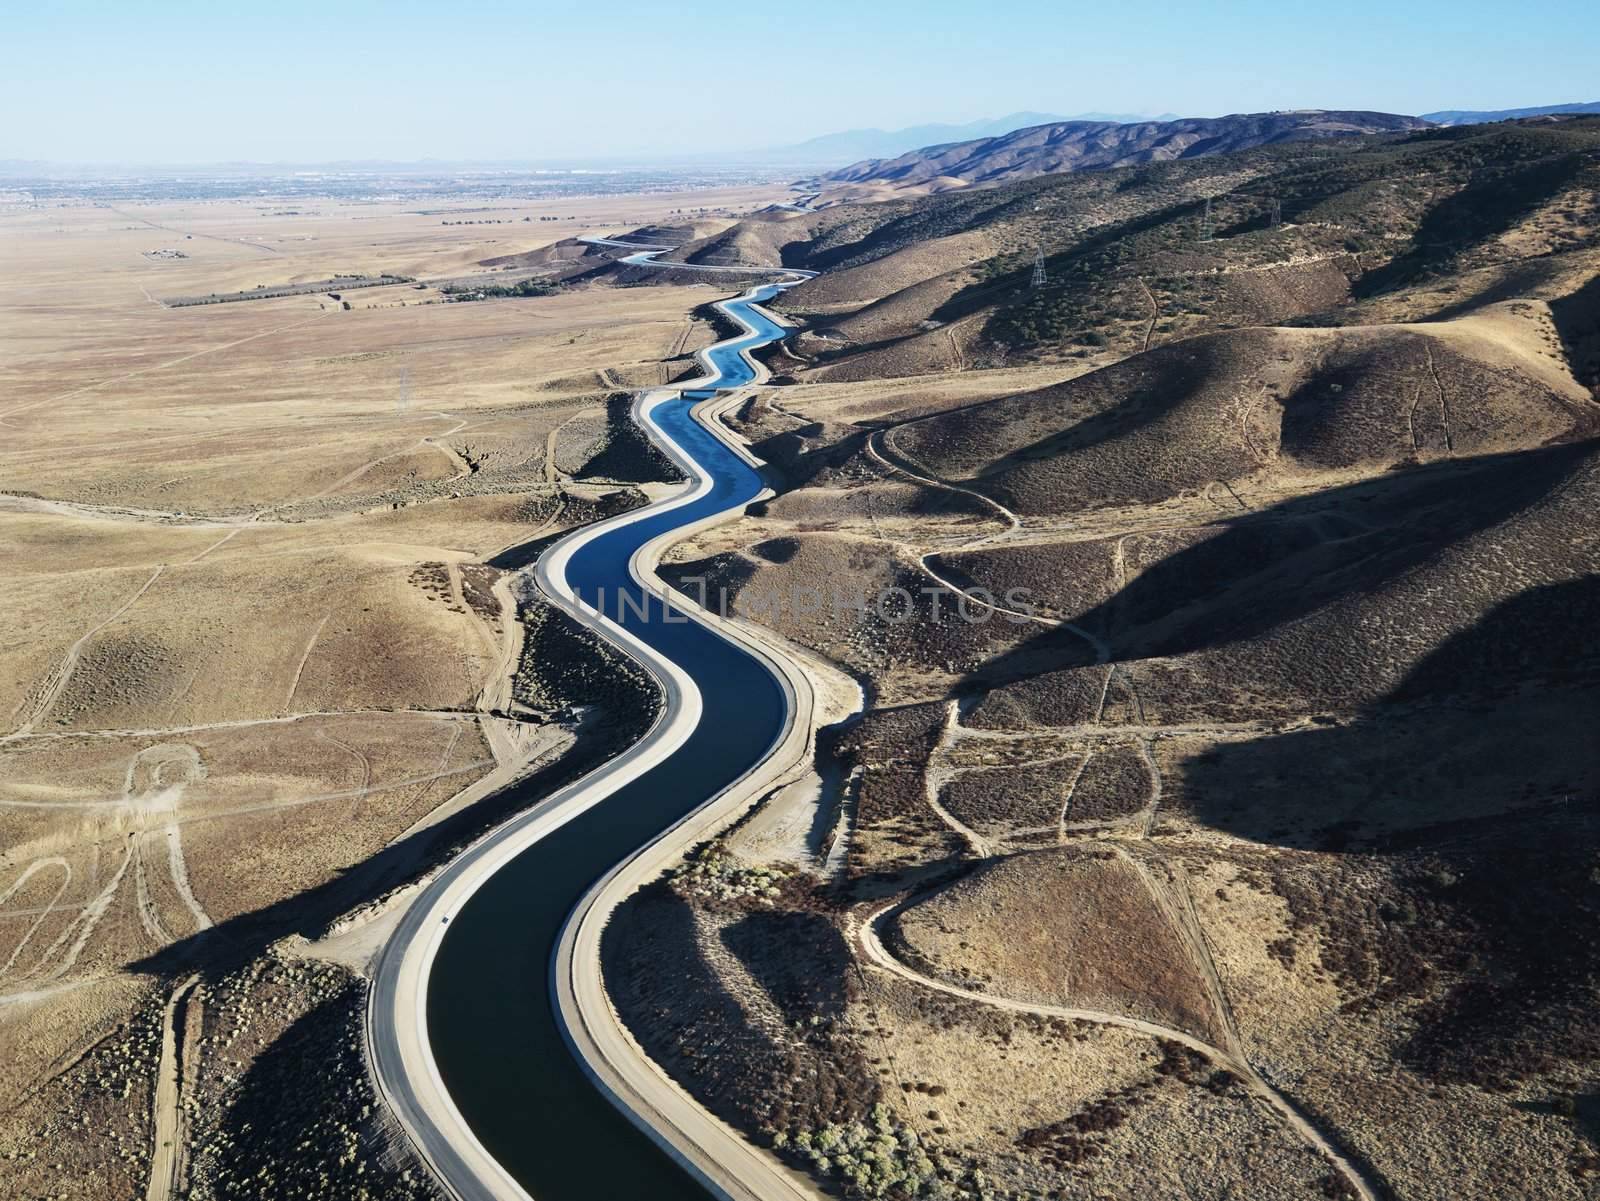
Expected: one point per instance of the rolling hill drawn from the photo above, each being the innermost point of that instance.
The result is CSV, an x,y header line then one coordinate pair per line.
x,y
1282,738
1456,116
1230,673
1083,145
1416,225
851,144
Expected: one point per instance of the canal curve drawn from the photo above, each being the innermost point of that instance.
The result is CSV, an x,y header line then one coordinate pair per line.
x,y
492,1048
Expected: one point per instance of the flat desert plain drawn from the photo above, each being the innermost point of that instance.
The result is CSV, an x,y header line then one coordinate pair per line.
x,y
252,642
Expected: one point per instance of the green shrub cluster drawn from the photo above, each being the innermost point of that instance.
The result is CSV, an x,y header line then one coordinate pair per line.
x,y
526,287
712,872
883,1158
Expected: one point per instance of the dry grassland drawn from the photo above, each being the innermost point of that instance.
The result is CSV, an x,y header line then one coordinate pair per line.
x,y
251,646
1259,860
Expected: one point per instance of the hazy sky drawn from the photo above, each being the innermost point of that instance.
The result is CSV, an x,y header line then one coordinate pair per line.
x,y
281,80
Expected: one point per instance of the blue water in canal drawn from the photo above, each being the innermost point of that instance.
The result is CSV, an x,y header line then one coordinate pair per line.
x,y
490,1017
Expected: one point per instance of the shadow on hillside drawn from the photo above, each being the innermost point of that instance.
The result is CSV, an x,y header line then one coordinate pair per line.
x,y
1473,792
1153,385
1016,283
1469,723
651,951
682,1007
1150,386
794,462
627,455
1272,567
1577,321
1488,206
278,1105
1518,281
800,960
526,554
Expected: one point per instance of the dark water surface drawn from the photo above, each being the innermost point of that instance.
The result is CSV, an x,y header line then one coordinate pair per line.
x,y
490,1016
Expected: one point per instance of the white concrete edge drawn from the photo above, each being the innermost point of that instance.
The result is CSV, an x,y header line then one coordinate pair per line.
x,y
402,1059
709,413
647,257
597,240
727,1165
399,1055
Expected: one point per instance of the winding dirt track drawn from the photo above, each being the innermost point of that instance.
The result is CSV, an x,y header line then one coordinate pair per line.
x,y
882,452
167,1149
1174,903
870,940
51,690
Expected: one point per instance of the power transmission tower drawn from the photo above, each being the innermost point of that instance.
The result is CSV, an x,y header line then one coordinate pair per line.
x,y
1040,276
1207,229
402,402
1277,212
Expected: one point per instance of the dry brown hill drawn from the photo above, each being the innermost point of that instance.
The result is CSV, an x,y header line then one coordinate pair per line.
x,y
1267,406
1082,145
1421,225
1274,789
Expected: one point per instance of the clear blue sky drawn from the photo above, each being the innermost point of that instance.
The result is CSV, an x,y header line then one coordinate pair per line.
x,y
277,80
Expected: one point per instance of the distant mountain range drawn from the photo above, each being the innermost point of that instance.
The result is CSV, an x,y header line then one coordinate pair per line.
x,y
977,151
1078,145
1456,116
854,144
